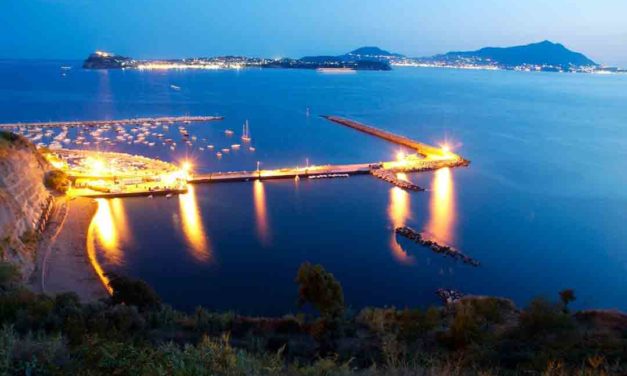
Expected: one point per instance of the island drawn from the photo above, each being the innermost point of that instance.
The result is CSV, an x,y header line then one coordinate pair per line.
x,y
105,60
545,56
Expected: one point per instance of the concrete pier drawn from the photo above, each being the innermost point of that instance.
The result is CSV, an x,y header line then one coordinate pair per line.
x,y
422,149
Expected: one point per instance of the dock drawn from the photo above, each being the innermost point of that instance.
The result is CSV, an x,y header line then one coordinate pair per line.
x,y
283,173
131,121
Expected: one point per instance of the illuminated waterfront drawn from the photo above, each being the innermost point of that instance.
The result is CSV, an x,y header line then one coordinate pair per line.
x,y
537,200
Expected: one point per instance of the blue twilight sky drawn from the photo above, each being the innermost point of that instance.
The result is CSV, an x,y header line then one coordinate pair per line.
x,y
182,28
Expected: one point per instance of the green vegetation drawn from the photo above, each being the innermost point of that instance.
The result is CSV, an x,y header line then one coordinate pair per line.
x,y
133,333
57,180
321,289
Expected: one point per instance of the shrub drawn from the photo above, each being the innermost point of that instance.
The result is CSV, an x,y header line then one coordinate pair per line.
x,y
542,316
320,288
133,292
10,276
57,180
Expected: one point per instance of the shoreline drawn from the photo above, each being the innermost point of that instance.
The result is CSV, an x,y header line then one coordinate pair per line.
x,y
67,265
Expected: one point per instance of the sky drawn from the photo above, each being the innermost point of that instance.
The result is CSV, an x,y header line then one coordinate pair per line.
x,y
71,29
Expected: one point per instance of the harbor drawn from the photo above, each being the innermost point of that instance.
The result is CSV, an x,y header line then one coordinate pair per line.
x,y
112,174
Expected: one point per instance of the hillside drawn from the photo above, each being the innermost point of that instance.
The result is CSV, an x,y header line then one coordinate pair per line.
x,y
24,200
543,53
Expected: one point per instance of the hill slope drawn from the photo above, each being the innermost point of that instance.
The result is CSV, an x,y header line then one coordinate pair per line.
x,y
544,53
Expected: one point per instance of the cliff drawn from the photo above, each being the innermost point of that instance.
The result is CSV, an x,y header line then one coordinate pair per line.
x,y
24,201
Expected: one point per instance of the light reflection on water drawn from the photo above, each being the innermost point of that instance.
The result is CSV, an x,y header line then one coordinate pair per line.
x,y
102,229
109,223
442,212
192,226
399,211
261,215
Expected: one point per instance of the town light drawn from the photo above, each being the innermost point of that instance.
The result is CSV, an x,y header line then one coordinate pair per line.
x,y
400,156
187,166
445,148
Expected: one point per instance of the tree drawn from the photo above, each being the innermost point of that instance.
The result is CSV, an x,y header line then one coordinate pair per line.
x,y
320,288
567,296
133,292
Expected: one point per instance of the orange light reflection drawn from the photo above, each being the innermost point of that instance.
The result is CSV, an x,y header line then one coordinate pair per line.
x,y
107,229
102,226
193,227
443,215
399,211
261,215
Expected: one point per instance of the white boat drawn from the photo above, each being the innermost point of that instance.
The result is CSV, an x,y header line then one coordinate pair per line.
x,y
336,70
246,132
228,132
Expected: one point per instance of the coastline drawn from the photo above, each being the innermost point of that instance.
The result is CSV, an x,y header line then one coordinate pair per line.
x,y
67,266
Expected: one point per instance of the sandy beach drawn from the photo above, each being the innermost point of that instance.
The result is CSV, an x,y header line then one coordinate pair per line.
x,y
66,265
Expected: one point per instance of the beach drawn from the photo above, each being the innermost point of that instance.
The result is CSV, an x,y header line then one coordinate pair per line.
x,y
65,265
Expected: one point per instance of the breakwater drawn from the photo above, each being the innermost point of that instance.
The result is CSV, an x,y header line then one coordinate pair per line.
x,y
422,149
391,178
130,121
416,237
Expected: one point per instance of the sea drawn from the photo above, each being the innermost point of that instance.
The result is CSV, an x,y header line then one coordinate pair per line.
x,y
542,206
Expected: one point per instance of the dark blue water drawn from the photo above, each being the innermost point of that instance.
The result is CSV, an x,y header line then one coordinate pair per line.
x,y
543,205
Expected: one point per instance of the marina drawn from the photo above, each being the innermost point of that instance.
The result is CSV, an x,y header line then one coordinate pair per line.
x,y
129,121
111,174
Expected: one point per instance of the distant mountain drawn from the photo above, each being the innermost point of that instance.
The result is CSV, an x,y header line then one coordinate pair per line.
x,y
373,52
543,53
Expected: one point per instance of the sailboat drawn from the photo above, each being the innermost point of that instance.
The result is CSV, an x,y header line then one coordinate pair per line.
x,y
246,132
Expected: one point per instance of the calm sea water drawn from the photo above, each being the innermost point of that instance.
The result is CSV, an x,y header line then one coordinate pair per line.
x,y
543,205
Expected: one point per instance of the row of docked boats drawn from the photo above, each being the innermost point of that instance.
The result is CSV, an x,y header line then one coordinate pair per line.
x,y
111,134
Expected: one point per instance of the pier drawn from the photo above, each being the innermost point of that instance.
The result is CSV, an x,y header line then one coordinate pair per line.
x,y
422,149
98,123
283,173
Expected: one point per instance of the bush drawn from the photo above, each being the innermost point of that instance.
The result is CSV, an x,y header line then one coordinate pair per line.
x,y
543,317
57,180
133,292
10,276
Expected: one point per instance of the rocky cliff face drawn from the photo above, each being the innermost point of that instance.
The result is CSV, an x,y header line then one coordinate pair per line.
x,y
24,200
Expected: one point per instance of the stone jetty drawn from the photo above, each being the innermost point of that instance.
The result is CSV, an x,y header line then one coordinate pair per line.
x,y
390,177
416,237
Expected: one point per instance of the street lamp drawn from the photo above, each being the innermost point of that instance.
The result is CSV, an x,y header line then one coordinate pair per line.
x,y
258,171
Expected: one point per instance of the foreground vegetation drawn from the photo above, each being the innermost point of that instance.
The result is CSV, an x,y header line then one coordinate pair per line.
x,y
133,333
